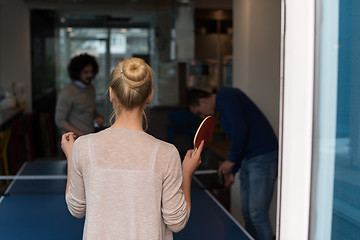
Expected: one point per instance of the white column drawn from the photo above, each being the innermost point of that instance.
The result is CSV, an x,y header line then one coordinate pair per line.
x,y
184,25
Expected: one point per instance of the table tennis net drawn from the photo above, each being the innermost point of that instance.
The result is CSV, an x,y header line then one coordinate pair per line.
x,y
35,178
32,184
50,177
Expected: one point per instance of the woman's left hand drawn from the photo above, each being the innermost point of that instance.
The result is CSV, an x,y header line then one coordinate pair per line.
x,y
67,142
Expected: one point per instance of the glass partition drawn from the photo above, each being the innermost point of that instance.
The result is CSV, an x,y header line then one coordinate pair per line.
x,y
335,207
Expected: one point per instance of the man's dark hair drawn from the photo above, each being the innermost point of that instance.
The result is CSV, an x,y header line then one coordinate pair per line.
x,y
193,96
78,63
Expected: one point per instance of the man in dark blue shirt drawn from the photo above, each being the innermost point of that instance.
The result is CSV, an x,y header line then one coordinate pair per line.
x,y
254,149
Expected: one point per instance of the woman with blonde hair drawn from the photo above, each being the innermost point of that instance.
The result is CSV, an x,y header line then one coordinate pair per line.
x,y
127,183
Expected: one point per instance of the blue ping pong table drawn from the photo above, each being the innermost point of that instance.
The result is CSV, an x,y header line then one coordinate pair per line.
x,y
36,209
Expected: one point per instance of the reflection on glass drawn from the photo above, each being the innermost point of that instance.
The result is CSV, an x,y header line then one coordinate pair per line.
x,y
335,207
346,203
126,43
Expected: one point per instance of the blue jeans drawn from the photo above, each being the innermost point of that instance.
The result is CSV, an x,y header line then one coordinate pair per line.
x,y
257,178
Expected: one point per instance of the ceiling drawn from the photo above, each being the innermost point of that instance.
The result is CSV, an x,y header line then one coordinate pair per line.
x,y
115,12
126,5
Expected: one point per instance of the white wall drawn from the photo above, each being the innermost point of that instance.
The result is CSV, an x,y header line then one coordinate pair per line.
x,y
15,63
256,54
256,60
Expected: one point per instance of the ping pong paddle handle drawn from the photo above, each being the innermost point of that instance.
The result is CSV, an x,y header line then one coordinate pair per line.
x,y
193,153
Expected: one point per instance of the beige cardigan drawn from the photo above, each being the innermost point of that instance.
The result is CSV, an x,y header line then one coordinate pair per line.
x,y
128,185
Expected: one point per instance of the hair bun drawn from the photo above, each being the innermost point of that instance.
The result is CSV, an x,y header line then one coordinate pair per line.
x,y
131,81
135,70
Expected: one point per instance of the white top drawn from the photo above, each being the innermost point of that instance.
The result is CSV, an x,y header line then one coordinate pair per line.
x,y
128,184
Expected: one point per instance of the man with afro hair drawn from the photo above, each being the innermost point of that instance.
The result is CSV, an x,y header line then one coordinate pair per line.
x,y
75,107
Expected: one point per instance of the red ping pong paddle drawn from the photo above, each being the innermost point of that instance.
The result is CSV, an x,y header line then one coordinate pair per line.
x,y
204,132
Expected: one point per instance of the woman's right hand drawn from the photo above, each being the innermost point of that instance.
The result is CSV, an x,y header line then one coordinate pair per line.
x,y
191,163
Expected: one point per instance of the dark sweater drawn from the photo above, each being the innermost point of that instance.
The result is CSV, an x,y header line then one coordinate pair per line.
x,y
250,132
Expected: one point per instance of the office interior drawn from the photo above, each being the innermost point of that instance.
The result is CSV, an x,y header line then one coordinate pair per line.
x,y
198,43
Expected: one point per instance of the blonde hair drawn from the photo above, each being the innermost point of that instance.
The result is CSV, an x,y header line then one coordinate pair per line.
x,y
131,82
